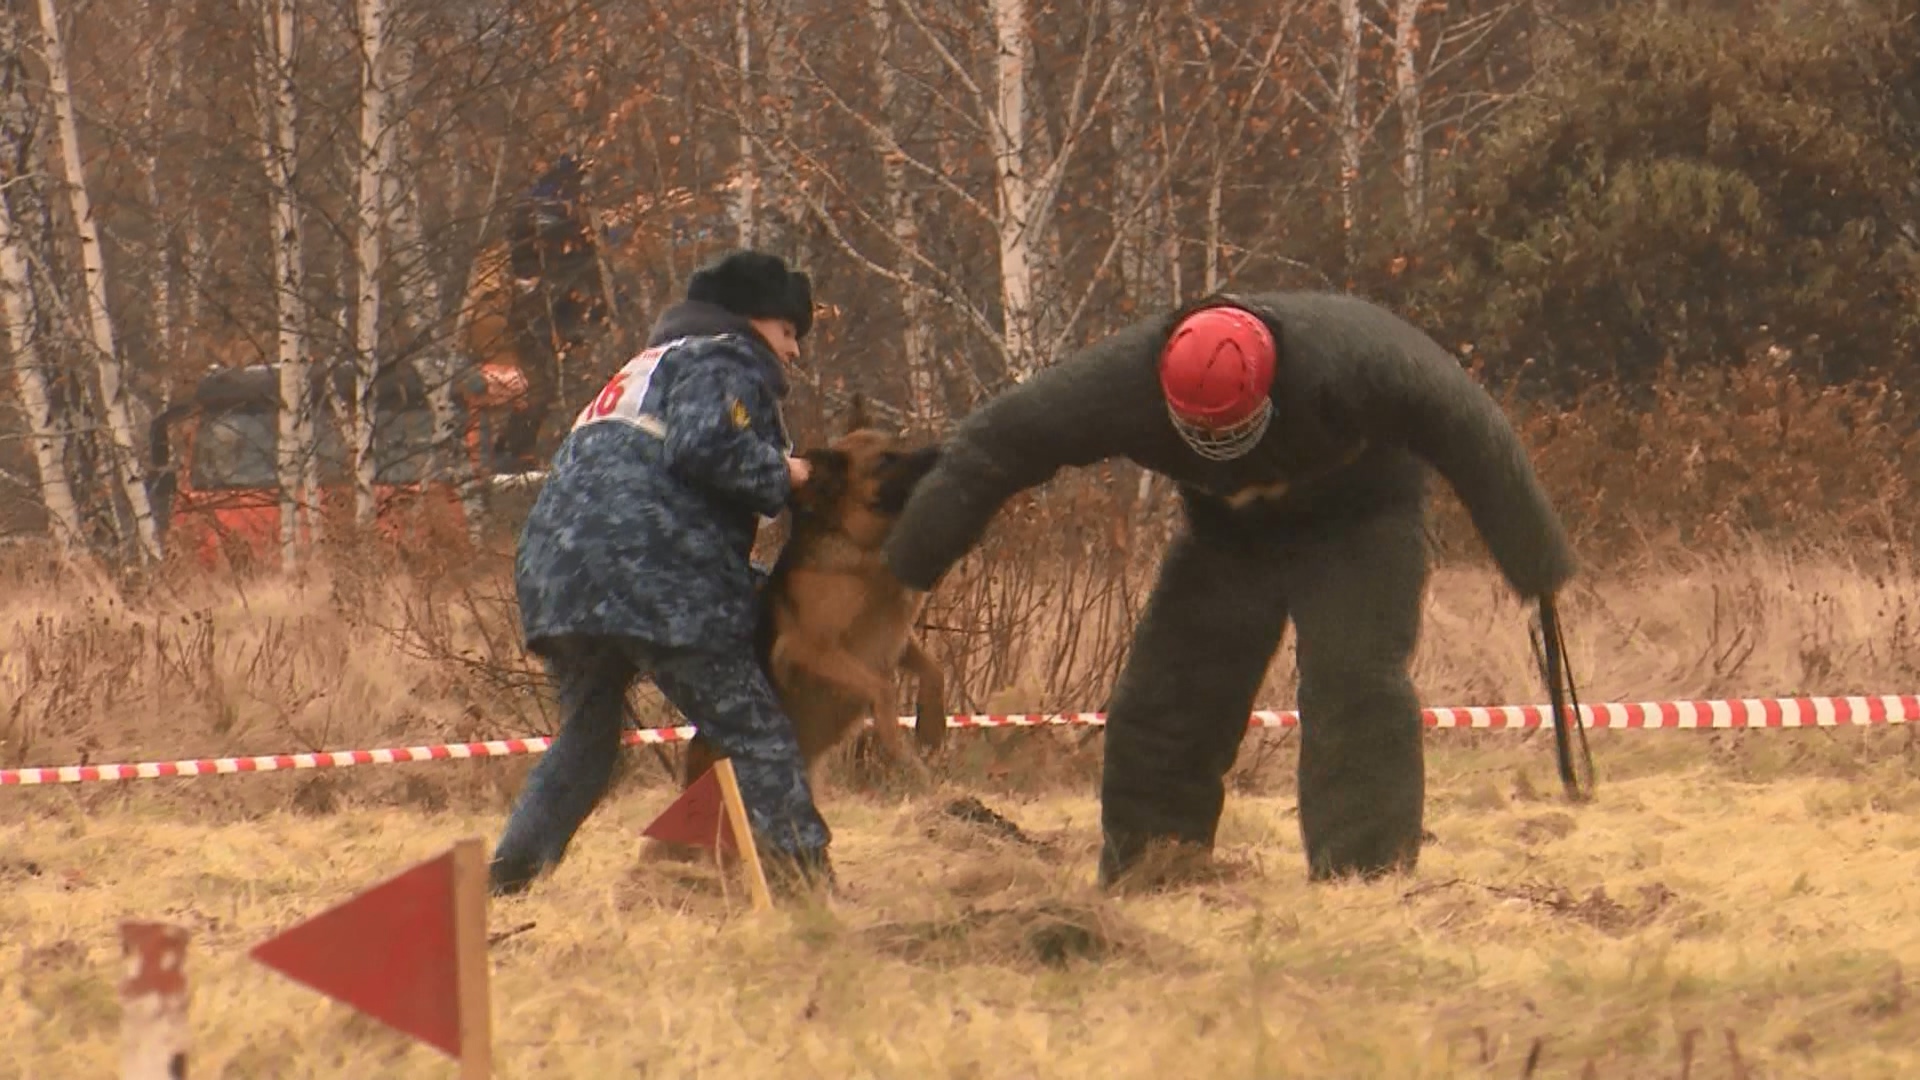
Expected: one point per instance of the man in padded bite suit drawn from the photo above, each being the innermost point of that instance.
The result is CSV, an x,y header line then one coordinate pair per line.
x,y
1296,426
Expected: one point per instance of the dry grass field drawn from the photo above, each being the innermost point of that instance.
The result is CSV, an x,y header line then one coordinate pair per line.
x,y
1735,904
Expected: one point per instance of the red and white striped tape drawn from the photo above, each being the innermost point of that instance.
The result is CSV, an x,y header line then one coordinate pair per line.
x,y
1647,715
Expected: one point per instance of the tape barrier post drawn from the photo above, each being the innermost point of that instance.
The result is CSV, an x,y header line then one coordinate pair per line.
x,y
470,953
743,833
153,1002
410,952
1804,712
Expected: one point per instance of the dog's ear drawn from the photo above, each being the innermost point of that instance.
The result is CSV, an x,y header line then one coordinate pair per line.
x,y
827,472
857,416
903,473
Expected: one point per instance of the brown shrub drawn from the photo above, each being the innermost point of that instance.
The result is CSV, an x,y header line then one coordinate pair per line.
x,y
1739,533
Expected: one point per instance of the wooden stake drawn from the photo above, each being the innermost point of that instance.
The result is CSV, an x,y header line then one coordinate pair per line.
x,y
743,834
153,1002
470,951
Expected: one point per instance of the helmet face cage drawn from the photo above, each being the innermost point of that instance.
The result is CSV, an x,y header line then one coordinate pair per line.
x,y
1228,443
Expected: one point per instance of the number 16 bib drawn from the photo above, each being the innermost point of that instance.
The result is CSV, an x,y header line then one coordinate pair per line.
x,y
621,398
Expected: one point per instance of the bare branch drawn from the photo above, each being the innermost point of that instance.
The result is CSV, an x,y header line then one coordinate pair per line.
x,y
883,136
826,219
953,63
1081,119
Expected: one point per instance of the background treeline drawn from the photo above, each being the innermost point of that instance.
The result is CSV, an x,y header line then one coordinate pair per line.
x,y
1682,240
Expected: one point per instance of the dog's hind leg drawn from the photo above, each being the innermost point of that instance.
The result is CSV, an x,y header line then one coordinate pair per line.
x,y
794,655
699,757
930,694
887,729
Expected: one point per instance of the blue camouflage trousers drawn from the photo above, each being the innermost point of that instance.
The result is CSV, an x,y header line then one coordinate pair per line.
x,y
726,696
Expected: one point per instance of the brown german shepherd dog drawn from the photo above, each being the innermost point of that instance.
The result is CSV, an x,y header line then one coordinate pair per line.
x,y
835,624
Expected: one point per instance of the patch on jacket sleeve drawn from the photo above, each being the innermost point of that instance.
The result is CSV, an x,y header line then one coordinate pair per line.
x,y
741,419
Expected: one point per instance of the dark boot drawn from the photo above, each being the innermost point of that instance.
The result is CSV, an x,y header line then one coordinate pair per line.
x,y
510,876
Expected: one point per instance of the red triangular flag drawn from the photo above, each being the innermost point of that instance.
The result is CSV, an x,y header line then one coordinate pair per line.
x,y
388,952
697,817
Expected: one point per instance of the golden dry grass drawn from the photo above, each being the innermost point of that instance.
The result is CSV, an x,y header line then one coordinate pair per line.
x,y
1752,883
1688,900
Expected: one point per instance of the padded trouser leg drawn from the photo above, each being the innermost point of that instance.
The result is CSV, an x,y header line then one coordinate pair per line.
x,y
1355,596
572,776
1180,707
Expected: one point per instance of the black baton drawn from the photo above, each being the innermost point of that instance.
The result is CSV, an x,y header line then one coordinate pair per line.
x,y
1550,651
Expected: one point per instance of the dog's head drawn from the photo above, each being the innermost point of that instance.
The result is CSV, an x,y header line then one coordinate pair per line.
x,y
860,482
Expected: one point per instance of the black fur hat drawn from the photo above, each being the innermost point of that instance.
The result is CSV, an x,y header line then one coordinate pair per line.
x,y
756,285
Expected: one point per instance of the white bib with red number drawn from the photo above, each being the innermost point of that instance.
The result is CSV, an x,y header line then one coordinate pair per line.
x,y
621,398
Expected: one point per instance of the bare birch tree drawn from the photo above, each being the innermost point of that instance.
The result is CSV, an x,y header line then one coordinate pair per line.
x,y
113,395
745,181
1349,133
161,21
923,382
1017,191
421,292
1147,269
1232,144
45,432
1025,181
1406,87
375,147
298,463
1452,44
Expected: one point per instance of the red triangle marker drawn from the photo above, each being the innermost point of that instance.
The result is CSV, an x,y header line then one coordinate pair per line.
x,y
695,817
394,953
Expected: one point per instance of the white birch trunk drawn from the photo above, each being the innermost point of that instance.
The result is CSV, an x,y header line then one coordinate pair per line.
x,y
1348,92
1215,202
1229,150
1014,185
278,146
1169,213
1141,271
197,266
1224,153
197,260
420,293
369,222
46,434
30,382
1176,275
773,206
923,384
746,183
119,417
1406,80
160,92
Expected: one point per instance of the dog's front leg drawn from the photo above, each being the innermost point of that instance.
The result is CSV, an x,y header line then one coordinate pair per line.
x,y
824,660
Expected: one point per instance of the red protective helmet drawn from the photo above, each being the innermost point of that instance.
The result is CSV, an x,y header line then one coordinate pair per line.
x,y
1215,372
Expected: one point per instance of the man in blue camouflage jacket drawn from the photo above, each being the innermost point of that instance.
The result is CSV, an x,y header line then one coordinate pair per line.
x,y
634,562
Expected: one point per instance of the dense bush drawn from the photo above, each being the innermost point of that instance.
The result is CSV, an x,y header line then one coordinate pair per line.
x,y
1696,192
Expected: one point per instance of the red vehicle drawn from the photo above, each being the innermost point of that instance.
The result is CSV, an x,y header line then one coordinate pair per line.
x,y
215,459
